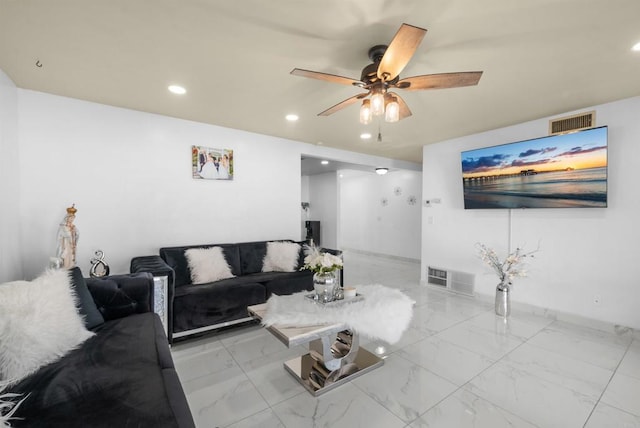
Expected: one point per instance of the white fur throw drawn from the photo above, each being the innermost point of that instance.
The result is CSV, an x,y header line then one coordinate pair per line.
x,y
281,257
207,265
39,323
384,313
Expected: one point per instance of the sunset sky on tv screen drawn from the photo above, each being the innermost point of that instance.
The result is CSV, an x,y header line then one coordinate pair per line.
x,y
580,150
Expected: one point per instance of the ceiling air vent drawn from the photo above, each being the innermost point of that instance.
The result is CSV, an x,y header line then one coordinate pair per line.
x,y
572,123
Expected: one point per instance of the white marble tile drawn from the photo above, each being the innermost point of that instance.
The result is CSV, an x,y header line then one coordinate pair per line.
x,y
253,346
344,407
616,335
459,307
463,409
384,349
422,295
605,416
623,393
265,419
556,368
271,379
534,399
630,364
186,347
404,388
492,344
581,346
241,334
452,362
202,360
223,398
532,371
431,322
520,325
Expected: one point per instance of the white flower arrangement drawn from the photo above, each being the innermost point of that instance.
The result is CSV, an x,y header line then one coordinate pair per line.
x,y
509,268
320,262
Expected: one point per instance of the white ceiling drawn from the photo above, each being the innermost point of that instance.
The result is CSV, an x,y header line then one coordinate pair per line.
x,y
539,57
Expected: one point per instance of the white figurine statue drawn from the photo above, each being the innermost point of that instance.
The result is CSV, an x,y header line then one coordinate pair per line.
x,y
68,239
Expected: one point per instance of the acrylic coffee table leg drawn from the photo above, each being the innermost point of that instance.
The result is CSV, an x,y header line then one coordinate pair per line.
x,y
322,370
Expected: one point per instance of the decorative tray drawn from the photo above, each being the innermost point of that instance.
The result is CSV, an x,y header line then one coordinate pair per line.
x,y
312,298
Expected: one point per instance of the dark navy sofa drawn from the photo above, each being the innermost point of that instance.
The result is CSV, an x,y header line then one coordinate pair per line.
x,y
123,376
196,308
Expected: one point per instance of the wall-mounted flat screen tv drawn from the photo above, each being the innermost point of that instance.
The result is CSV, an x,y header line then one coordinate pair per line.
x,y
557,171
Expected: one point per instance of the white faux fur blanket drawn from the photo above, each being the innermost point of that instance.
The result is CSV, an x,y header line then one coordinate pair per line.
x,y
384,313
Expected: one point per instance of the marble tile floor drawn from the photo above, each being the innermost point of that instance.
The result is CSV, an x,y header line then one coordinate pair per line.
x,y
458,366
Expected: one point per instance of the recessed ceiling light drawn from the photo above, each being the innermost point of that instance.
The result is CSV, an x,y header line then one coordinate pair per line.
x,y
291,117
325,162
365,135
176,89
636,47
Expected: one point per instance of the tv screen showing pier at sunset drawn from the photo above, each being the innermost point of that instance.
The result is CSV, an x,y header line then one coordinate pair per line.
x,y
557,171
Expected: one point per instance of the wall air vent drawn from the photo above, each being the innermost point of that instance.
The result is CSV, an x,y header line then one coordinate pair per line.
x,y
572,123
437,276
460,282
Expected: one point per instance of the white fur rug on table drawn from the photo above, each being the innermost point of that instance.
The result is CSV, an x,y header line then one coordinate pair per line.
x,y
384,313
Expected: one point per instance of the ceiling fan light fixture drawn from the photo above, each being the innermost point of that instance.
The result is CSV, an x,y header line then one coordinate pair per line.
x,y
382,171
377,104
392,110
365,112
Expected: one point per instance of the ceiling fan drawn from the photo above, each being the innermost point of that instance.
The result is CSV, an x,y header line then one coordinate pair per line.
x,y
383,74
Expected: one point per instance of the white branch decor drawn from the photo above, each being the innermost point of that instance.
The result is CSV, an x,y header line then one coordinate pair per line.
x,y
511,267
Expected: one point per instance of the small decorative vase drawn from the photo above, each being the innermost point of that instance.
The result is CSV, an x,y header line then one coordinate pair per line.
x,y
503,299
324,284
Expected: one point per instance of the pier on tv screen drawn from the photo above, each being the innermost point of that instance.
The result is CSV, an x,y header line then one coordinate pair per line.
x,y
558,171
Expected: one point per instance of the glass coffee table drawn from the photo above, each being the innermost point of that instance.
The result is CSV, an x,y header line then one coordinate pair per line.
x,y
334,358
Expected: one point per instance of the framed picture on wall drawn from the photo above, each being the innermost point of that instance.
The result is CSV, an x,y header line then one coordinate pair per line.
x,y
211,164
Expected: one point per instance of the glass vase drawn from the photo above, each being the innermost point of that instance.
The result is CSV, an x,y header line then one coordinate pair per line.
x,y
324,285
503,299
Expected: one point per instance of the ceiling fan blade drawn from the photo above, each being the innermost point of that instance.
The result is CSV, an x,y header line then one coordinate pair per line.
x,y
343,104
400,51
440,81
404,108
326,77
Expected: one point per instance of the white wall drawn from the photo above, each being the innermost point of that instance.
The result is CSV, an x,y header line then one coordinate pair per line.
x,y
368,225
324,201
588,260
129,175
10,261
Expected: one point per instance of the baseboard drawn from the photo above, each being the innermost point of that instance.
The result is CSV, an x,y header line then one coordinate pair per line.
x,y
548,313
384,256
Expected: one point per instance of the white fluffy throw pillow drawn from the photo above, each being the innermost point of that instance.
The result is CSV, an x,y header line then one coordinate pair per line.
x,y
39,323
281,257
207,265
